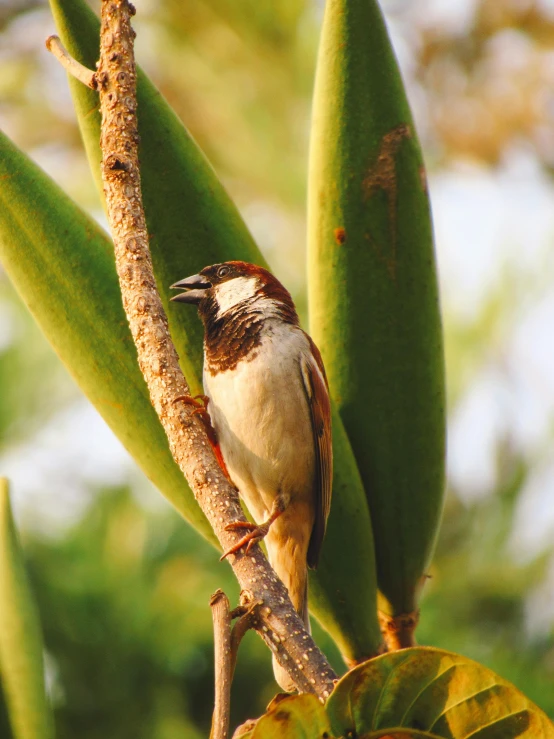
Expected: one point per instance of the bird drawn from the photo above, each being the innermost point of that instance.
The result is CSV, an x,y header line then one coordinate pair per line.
x,y
268,401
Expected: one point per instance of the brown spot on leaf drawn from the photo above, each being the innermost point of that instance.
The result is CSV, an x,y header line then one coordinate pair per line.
x,y
340,235
278,698
282,717
382,176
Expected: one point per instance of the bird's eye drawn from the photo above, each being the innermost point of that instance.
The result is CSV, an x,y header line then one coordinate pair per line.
x,y
223,271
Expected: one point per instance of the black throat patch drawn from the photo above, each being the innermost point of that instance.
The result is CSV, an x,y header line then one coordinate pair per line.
x,y
236,335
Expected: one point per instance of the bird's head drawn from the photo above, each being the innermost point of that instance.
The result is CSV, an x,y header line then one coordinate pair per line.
x,y
234,286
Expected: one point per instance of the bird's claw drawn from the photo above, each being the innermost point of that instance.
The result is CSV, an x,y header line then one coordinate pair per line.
x,y
257,532
200,402
255,535
201,410
236,525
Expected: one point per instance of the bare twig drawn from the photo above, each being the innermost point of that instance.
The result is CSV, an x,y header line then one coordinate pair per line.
x,y
276,620
71,65
221,616
226,646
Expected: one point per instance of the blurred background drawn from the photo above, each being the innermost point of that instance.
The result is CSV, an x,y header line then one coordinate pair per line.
x,y
121,582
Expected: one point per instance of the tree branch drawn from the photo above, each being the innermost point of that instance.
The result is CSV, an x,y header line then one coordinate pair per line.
x,y
274,617
221,616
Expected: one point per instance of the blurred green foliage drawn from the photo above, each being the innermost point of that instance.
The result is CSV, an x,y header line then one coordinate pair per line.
x,y
22,670
124,598
476,597
123,588
124,601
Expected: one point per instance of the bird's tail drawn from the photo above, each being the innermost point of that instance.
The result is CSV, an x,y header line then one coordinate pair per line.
x,y
294,574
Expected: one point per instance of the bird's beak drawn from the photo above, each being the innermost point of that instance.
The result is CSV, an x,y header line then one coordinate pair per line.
x,y
195,289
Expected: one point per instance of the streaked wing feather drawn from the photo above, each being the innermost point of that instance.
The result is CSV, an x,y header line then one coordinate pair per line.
x,y
315,384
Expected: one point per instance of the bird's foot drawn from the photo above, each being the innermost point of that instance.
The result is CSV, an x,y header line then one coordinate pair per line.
x,y
256,532
200,404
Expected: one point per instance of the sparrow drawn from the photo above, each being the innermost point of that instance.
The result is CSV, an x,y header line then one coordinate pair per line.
x,y
268,401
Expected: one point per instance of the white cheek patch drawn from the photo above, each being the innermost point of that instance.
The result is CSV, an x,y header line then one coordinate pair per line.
x,y
234,291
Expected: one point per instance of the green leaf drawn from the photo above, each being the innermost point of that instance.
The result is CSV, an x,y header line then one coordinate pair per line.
x,y
343,589
62,265
192,223
21,650
297,717
430,690
373,293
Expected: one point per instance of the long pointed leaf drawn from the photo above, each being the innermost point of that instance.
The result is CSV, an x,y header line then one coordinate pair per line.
x,y
373,295
347,562
62,265
21,650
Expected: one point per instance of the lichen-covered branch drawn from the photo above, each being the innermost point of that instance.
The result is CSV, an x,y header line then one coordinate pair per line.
x,y
274,617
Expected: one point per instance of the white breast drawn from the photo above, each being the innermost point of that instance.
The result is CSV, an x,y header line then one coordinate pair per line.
x,y
261,416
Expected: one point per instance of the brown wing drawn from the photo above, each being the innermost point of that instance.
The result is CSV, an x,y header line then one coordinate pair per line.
x,y
315,384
